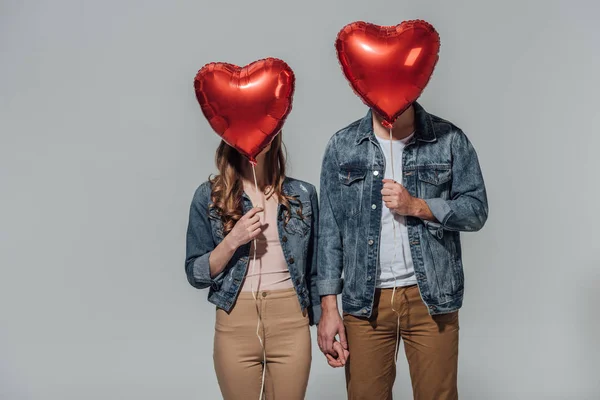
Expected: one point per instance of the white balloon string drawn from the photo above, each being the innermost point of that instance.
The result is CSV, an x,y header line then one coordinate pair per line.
x,y
255,294
394,256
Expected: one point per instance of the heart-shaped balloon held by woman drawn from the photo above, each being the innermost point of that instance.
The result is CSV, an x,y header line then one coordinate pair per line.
x,y
246,106
388,66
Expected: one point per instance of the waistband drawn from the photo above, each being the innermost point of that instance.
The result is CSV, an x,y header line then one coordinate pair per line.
x,y
399,288
268,294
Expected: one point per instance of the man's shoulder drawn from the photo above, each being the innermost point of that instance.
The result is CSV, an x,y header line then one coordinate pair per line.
x,y
346,135
444,127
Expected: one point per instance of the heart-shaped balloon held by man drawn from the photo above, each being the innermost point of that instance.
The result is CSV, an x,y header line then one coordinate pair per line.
x,y
388,66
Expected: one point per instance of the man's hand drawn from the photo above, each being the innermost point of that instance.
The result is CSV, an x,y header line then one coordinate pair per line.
x,y
331,324
396,197
337,362
399,201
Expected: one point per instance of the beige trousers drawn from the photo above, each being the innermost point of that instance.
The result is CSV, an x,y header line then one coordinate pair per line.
x,y
430,344
238,355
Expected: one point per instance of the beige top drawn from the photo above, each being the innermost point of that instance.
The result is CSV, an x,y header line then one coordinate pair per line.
x,y
271,270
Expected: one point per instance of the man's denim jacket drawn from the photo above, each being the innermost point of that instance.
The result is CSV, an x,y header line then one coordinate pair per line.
x,y
298,240
440,166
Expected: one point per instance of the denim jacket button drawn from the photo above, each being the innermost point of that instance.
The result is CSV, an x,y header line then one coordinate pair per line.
x,y
291,260
371,242
284,239
374,206
375,173
369,277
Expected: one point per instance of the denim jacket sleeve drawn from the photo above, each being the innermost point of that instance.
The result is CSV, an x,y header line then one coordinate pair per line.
x,y
312,262
467,207
200,243
330,238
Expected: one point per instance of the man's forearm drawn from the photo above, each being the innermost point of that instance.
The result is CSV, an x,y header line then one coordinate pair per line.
x,y
420,209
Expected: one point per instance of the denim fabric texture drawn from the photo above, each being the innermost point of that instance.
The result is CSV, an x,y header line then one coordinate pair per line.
x,y
298,240
440,166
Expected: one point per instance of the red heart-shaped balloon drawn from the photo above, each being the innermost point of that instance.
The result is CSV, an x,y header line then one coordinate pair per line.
x,y
388,66
246,106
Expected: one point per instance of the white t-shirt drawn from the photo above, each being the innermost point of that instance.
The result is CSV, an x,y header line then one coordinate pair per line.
x,y
394,269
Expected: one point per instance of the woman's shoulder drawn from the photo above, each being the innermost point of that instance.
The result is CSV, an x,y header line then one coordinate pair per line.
x,y
202,193
300,187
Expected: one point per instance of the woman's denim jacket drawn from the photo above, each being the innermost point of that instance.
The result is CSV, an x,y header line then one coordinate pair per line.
x,y
298,240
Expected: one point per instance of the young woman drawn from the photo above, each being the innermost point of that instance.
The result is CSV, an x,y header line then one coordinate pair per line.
x,y
256,251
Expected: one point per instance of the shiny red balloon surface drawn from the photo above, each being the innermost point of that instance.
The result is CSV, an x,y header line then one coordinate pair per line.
x,y
246,106
388,66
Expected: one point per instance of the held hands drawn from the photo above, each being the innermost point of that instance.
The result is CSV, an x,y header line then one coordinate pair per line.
x,y
341,353
246,229
397,198
330,325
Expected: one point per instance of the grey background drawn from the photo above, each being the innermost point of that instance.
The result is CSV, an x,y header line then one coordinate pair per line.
x,y
103,144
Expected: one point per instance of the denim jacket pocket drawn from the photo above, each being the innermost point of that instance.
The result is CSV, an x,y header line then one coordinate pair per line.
x,y
352,179
434,181
300,220
350,175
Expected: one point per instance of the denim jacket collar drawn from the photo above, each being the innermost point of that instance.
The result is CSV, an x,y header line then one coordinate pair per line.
x,y
425,130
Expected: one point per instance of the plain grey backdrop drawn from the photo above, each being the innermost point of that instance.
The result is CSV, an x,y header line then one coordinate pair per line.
x,y
103,144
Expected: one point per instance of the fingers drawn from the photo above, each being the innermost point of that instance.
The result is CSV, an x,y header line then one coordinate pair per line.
x,y
328,346
327,337
253,233
340,351
340,360
253,212
392,187
390,202
254,219
334,363
254,225
322,339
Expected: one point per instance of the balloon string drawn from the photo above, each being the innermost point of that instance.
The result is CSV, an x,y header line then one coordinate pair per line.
x,y
394,257
255,294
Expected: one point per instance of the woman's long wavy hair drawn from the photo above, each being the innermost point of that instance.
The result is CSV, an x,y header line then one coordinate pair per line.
x,y
227,186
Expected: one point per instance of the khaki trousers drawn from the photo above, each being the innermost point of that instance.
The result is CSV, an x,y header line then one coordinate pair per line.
x,y
238,355
430,344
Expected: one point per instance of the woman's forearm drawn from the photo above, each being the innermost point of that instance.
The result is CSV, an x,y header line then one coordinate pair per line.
x,y
221,255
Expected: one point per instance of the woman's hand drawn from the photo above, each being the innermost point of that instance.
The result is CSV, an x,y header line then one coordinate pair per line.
x,y
246,229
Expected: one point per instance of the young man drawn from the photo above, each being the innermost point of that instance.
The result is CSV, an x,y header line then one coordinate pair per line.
x,y
383,234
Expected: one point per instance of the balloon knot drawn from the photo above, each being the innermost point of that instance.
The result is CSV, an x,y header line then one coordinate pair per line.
x,y
386,124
